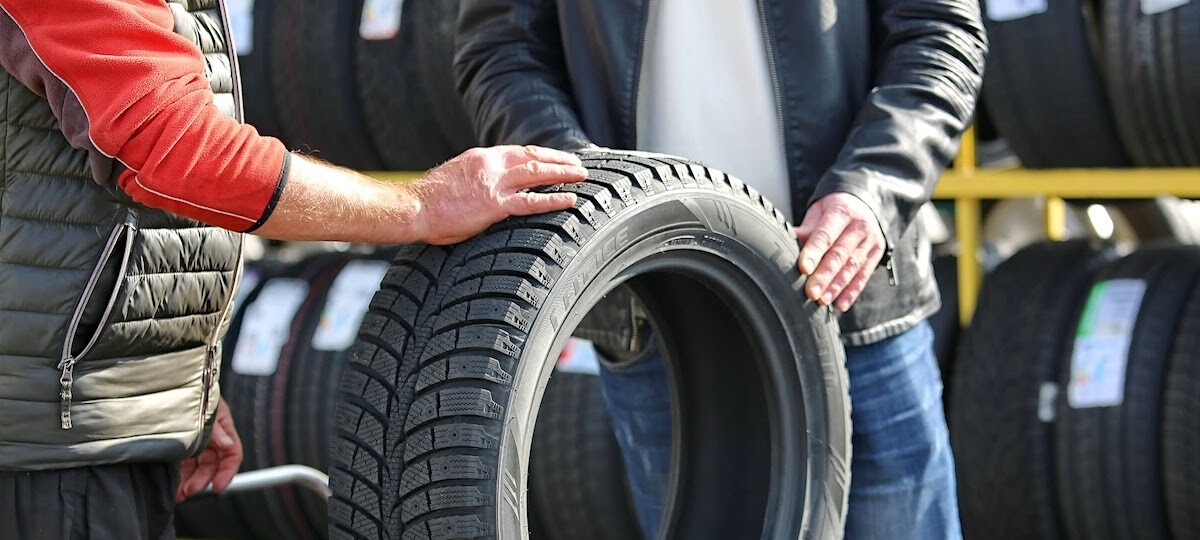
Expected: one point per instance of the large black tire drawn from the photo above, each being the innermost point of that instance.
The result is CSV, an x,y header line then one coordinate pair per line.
x,y
443,389
577,479
1003,384
1110,458
1181,426
1154,82
312,62
406,86
1051,107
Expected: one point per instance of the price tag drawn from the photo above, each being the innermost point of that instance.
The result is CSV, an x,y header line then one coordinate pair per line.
x,y
578,357
241,25
347,304
266,326
1150,7
380,19
1102,341
1011,10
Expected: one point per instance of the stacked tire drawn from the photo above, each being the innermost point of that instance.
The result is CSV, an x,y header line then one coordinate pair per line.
x,y
1074,403
362,87
443,386
1118,89
283,357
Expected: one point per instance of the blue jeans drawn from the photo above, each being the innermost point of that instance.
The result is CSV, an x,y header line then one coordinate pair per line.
x,y
902,472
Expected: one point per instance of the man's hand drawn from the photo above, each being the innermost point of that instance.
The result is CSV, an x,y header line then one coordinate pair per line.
x,y
217,463
467,194
843,244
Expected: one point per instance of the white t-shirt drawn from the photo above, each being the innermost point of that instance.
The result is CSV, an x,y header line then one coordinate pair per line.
x,y
706,93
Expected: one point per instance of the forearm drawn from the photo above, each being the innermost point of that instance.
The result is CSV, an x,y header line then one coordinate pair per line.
x,y
320,201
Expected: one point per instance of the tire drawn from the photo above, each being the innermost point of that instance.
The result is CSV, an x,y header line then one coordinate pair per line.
x,y
1110,458
405,97
312,62
577,479
1003,441
1051,108
945,324
258,97
1181,426
259,408
1154,82
446,380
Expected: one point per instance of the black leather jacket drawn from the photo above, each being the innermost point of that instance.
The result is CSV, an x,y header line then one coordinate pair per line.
x,y
873,96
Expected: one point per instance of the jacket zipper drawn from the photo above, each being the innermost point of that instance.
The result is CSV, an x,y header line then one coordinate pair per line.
x,y
67,364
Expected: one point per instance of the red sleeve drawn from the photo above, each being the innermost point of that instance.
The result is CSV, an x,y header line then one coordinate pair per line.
x,y
150,107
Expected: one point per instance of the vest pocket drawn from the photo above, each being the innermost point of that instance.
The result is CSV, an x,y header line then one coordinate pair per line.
x,y
99,295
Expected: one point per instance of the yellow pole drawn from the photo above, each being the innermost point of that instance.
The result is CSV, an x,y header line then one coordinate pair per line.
x,y
967,225
1056,218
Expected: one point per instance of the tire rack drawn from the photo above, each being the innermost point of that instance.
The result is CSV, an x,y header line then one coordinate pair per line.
x,y
967,186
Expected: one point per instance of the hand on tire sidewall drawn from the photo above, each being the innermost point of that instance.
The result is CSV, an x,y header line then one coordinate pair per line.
x,y
843,244
464,196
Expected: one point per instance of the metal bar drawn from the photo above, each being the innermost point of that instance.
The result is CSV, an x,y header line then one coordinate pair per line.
x,y
272,477
968,229
1070,183
1056,218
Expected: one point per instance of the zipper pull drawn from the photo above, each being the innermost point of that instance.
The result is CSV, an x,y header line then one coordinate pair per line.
x,y
64,393
890,266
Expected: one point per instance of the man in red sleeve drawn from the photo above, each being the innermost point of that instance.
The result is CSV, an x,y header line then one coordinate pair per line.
x,y
125,182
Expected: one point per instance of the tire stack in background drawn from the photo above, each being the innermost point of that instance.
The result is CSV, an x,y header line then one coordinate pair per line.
x,y
1075,396
365,85
1095,83
283,359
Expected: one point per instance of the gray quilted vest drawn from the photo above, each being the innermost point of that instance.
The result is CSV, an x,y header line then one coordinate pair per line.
x,y
111,313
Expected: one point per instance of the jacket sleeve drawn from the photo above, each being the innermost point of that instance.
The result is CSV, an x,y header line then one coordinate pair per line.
x,y
511,74
927,77
148,105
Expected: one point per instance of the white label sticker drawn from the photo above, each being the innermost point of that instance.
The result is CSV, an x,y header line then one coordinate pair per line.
x,y
578,357
1150,7
380,19
266,326
347,304
1011,10
1102,343
241,25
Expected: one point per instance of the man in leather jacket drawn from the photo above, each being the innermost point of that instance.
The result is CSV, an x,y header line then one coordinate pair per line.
x,y
843,112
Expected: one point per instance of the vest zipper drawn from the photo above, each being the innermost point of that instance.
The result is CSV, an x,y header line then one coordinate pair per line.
x,y
211,359
67,364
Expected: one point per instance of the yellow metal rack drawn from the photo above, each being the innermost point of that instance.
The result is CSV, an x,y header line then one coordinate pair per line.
x,y
967,186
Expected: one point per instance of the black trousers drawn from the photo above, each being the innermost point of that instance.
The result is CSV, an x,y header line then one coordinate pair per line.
x,y
133,501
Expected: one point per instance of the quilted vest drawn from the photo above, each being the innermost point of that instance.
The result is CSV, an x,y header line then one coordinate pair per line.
x,y
111,313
